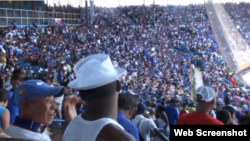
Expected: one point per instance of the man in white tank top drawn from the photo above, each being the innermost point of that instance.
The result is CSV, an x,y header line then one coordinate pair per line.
x,y
98,85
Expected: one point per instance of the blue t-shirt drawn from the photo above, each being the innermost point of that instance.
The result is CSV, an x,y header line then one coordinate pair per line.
x,y
12,107
172,114
128,125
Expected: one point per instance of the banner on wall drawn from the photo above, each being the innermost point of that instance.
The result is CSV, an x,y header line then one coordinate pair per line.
x,y
58,21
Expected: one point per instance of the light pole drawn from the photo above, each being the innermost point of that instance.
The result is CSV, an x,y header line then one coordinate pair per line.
x,y
154,11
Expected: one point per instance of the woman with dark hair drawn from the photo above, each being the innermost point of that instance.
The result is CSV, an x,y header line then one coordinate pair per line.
x,y
224,116
232,114
244,120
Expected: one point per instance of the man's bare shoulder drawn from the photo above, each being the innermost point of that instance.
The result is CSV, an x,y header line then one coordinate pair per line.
x,y
112,132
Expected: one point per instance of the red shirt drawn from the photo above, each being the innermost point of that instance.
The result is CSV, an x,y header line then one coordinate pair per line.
x,y
196,118
183,111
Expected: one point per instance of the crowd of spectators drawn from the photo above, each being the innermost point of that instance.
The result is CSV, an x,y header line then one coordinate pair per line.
x,y
159,49
240,16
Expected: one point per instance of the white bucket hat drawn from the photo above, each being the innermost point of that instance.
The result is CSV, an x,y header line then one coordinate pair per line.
x,y
95,71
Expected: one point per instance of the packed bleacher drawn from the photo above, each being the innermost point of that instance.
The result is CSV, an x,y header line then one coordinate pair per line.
x,y
62,82
240,16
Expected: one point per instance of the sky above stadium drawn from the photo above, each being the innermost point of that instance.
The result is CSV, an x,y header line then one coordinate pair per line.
x,y
114,3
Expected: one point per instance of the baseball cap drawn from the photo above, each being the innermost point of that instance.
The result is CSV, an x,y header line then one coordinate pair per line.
x,y
36,88
207,93
141,107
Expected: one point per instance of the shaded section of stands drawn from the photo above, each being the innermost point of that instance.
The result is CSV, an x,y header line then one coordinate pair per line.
x,y
130,16
106,21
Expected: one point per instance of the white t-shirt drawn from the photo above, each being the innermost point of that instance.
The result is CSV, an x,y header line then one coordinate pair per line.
x,y
83,130
213,114
59,100
20,133
145,127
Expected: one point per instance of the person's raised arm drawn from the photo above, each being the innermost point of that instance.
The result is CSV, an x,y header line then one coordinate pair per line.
x,y
158,133
70,113
164,118
5,119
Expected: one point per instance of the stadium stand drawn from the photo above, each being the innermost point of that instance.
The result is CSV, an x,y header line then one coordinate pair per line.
x,y
159,46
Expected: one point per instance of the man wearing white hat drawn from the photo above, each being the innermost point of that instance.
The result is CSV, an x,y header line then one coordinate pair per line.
x,y
98,85
206,99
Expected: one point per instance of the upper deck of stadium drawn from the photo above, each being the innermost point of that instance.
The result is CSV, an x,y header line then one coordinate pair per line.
x,y
44,12
28,12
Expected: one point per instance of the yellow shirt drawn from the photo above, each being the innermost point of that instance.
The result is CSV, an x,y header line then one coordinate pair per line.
x,y
191,109
69,68
3,60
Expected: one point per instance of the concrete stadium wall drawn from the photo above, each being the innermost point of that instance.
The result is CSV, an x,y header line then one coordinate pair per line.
x,y
25,5
219,36
243,67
